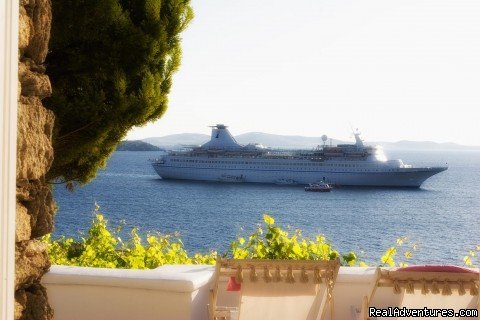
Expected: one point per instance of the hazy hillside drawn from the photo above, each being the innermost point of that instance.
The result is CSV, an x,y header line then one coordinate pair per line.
x,y
425,145
280,141
296,142
137,145
269,140
176,140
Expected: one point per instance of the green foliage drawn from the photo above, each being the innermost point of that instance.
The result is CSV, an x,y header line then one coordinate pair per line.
x,y
111,64
103,248
472,258
403,246
272,242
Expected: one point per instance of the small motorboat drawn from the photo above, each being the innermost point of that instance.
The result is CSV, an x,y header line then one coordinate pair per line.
x,y
319,187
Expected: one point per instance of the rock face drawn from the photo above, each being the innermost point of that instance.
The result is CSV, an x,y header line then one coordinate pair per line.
x,y
34,145
35,206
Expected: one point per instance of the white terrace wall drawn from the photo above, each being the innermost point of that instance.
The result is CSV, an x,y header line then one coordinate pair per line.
x,y
177,292
169,292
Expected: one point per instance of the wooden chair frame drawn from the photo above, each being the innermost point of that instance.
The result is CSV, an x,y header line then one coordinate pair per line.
x,y
311,270
432,283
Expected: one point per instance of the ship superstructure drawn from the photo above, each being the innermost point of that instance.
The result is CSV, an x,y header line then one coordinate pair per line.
x,y
224,159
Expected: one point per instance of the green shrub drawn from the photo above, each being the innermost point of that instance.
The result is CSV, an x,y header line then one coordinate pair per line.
x,y
102,247
272,242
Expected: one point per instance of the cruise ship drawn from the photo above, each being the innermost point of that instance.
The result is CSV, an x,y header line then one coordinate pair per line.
x,y
224,159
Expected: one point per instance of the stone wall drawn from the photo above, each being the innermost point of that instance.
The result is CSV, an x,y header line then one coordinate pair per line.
x,y
35,206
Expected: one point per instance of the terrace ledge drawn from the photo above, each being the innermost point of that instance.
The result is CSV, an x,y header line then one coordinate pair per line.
x,y
171,278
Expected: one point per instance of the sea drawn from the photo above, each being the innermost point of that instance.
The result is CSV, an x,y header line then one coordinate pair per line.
x,y
440,219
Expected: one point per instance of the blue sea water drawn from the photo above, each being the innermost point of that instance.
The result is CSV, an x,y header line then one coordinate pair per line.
x,y
442,217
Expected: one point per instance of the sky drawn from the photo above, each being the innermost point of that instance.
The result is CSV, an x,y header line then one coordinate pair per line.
x,y
395,69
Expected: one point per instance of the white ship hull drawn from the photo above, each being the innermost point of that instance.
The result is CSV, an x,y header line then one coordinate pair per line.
x,y
400,177
223,159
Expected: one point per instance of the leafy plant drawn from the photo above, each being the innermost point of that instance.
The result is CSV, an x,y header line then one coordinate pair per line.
x,y
272,242
472,258
104,248
403,246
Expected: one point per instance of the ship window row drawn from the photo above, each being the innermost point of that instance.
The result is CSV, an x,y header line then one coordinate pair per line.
x,y
289,165
270,163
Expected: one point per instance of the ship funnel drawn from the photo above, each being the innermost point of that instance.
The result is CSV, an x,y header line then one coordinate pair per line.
x,y
221,138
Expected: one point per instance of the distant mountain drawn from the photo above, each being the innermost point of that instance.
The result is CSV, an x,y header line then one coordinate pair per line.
x,y
425,145
280,141
137,145
176,141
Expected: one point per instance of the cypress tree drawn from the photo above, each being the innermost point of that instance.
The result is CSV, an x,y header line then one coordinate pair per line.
x,y
111,64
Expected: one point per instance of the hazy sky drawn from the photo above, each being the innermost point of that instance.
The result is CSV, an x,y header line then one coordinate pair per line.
x,y
405,69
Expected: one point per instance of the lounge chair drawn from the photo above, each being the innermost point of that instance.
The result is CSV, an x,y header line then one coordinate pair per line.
x,y
276,289
419,287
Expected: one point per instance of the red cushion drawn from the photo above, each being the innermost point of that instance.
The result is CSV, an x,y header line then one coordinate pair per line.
x,y
232,285
436,268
